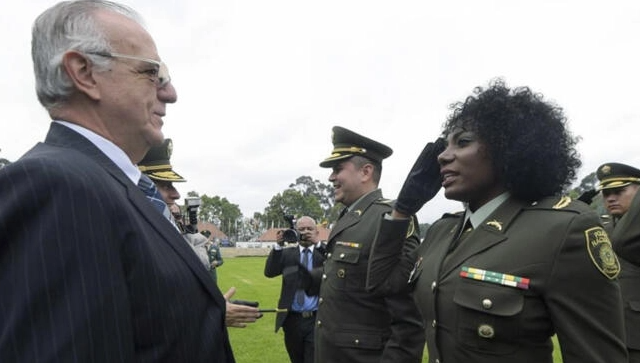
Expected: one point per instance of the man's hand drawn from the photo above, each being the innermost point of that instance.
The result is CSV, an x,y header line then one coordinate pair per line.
x,y
423,181
238,316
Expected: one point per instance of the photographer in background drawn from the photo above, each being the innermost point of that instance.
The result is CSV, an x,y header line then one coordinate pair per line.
x,y
299,315
157,166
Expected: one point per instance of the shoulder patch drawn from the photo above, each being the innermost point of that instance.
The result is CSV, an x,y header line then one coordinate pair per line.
x,y
601,252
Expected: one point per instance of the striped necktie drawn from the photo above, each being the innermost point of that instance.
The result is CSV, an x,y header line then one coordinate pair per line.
x,y
304,261
149,189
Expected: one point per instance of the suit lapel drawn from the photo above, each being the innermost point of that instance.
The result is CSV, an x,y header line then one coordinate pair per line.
x,y
491,232
60,135
353,216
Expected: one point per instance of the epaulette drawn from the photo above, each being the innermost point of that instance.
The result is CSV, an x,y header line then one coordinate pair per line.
x,y
559,203
385,201
453,215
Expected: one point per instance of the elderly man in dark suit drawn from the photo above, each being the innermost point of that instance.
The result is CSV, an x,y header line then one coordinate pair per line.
x,y
353,324
298,314
89,272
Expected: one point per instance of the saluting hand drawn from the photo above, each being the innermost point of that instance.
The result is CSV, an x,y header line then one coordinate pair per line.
x,y
423,181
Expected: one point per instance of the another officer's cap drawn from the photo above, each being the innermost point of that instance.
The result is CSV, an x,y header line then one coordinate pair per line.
x,y
156,163
347,143
616,175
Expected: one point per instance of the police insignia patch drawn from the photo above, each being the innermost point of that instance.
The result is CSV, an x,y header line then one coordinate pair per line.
x,y
601,253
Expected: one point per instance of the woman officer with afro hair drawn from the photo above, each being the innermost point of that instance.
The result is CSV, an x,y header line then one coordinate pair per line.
x,y
521,263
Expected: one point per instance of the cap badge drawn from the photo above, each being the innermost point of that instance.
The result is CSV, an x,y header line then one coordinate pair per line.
x,y
606,169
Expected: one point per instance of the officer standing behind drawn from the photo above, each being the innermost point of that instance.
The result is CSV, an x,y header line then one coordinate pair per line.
x,y
156,164
354,325
299,315
619,184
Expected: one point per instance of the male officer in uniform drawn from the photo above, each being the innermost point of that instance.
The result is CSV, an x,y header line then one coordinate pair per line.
x,y
156,164
354,325
619,184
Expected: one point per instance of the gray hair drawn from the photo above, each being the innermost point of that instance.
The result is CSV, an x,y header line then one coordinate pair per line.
x,y
69,25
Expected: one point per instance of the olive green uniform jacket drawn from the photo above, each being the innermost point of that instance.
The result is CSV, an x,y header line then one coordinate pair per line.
x,y
565,269
626,242
354,325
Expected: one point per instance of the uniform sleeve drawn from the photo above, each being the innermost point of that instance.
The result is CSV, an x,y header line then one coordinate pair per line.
x,y
583,296
397,242
392,256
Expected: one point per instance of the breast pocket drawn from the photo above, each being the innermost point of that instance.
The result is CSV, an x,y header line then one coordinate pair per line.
x,y
341,268
489,316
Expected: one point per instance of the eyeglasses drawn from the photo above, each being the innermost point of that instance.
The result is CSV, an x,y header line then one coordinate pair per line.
x,y
159,76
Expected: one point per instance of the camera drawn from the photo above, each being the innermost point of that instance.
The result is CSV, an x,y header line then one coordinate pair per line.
x,y
291,234
192,204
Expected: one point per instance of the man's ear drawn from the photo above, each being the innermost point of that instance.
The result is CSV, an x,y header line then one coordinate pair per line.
x,y
80,71
367,171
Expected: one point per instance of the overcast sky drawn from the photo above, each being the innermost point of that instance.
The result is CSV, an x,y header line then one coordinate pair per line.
x,y
261,83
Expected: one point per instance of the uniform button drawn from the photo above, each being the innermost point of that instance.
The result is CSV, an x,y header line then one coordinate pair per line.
x,y
433,286
487,304
342,255
320,300
486,331
437,360
324,276
329,255
433,324
341,273
356,341
318,323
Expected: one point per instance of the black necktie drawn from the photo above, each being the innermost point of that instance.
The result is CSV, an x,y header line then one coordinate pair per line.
x,y
151,191
463,233
304,261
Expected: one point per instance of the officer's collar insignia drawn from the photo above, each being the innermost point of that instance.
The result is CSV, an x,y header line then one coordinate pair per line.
x,y
495,224
606,169
563,202
601,253
358,212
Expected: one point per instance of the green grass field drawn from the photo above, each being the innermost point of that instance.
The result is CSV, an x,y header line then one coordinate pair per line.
x,y
258,342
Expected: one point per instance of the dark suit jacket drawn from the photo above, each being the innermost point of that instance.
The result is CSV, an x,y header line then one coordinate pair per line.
x,y
353,324
626,242
572,292
286,262
91,272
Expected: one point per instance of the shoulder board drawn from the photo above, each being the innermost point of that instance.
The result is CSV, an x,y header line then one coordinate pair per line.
x,y
385,201
559,203
453,214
